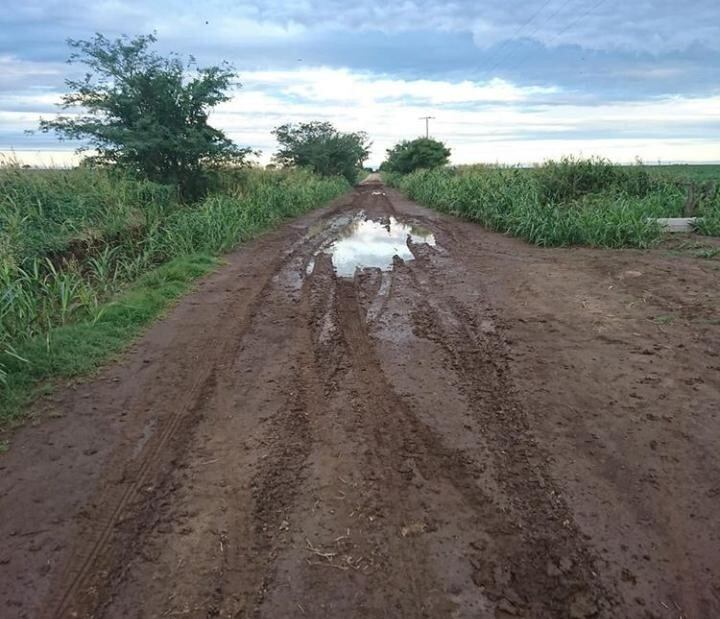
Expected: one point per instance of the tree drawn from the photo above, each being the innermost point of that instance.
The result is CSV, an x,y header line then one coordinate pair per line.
x,y
407,156
322,148
147,113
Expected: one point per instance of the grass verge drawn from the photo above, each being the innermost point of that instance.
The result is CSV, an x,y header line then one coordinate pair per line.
x,y
76,349
84,252
561,203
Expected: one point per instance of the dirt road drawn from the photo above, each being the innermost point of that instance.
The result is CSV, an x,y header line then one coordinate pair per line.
x,y
483,429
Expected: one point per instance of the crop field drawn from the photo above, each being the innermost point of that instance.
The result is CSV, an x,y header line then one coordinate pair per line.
x,y
572,202
75,243
686,172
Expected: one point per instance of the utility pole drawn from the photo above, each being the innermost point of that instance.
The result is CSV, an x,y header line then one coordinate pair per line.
x,y
427,120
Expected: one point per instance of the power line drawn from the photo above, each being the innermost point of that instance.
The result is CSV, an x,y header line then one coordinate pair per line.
x,y
506,42
534,32
579,19
570,25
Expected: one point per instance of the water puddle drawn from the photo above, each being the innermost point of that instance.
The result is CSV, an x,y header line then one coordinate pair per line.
x,y
366,243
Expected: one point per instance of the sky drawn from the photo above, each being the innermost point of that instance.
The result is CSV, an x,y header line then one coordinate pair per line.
x,y
506,81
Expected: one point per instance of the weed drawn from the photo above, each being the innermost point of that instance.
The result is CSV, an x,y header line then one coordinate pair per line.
x,y
571,202
74,243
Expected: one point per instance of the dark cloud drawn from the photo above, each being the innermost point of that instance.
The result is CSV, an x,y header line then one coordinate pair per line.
x,y
616,50
590,52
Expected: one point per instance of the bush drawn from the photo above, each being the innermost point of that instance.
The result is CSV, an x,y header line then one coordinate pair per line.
x,y
148,114
571,202
321,148
709,216
570,178
422,153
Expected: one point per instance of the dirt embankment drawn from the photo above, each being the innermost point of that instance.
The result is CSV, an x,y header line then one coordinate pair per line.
x,y
482,429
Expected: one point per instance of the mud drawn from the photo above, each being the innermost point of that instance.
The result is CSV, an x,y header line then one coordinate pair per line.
x,y
468,427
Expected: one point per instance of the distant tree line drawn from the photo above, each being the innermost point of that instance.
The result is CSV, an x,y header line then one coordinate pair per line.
x,y
149,114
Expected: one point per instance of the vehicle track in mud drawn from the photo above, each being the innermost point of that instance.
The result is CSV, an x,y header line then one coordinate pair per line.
x,y
461,435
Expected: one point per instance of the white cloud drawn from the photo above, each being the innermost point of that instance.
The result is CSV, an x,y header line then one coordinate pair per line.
x,y
327,85
16,73
650,25
480,121
491,121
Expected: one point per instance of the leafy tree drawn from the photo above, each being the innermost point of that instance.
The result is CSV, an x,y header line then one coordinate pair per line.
x,y
408,156
147,113
321,147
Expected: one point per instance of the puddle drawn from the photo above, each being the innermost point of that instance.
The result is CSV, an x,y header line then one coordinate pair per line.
x,y
366,243
310,267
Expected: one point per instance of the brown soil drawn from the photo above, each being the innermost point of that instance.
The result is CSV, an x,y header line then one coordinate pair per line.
x,y
488,430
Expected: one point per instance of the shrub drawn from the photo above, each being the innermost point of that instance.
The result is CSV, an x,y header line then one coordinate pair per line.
x,y
421,153
560,204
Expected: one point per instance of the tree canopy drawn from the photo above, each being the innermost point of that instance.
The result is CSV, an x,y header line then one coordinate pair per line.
x,y
322,148
147,113
410,155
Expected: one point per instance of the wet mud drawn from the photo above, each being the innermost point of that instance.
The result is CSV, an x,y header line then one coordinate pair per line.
x,y
381,411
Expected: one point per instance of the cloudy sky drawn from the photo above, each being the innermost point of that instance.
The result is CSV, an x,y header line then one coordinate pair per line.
x,y
512,82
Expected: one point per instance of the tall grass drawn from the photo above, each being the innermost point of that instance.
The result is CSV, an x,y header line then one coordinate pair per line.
x,y
72,239
709,215
561,203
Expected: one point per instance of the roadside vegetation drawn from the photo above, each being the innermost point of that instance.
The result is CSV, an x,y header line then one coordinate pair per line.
x,y
568,202
320,147
148,114
90,255
420,153
80,251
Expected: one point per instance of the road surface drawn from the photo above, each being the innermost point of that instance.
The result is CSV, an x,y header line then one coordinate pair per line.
x,y
471,428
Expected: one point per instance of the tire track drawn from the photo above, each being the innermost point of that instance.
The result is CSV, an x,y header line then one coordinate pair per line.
x,y
72,601
545,534
249,572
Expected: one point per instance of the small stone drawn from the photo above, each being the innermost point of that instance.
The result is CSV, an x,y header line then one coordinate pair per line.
x,y
582,606
552,569
504,605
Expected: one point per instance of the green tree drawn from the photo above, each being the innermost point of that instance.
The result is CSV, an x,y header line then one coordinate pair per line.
x,y
408,156
147,113
322,148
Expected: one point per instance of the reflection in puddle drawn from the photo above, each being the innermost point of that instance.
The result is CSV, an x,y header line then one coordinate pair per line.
x,y
373,244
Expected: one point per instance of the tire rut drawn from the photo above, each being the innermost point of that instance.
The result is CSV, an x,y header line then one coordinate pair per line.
x,y
128,511
542,548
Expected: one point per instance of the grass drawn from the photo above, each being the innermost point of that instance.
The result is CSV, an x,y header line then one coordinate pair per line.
x,y
709,224
80,347
688,172
695,248
88,257
562,203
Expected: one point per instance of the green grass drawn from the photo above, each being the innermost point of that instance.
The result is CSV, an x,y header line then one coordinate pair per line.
x,y
561,203
694,248
709,224
688,172
77,348
87,257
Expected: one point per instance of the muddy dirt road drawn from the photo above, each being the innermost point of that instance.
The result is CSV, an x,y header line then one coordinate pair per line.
x,y
472,428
